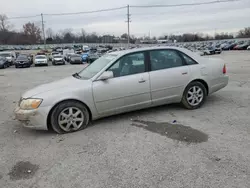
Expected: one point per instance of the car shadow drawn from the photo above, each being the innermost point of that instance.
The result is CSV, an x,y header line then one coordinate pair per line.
x,y
137,113
171,108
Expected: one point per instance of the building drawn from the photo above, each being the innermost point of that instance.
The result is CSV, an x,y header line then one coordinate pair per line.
x,y
107,39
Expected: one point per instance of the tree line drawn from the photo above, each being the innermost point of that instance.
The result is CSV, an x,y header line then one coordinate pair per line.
x,y
32,34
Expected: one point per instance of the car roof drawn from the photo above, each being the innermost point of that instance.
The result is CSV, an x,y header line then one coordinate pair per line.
x,y
184,50
123,52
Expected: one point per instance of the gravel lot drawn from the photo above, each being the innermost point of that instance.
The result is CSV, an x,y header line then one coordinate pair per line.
x,y
119,152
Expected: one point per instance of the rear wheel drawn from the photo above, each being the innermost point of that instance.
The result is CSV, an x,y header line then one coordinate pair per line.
x,y
69,116
194,95
5,66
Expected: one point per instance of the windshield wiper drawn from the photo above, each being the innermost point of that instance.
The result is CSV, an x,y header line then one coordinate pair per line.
x,y
76,75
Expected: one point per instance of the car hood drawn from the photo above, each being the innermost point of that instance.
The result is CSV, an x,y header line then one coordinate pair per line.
x,y
75,58
41,59
66,82
58,58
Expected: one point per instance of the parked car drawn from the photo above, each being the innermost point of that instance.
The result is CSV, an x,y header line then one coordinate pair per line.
x,y
41,60
243,46
10,56
229,46
22,61
58,60
67,56
207,51
238,45
92,57
75,59
3,63
52,54
148,77
212,50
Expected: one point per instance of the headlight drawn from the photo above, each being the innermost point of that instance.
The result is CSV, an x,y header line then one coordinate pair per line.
x,y
29,104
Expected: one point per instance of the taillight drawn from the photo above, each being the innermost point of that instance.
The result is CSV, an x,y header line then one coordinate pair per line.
x,y
224,69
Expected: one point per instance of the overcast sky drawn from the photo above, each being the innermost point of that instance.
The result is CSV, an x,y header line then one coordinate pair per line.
x,y
211,18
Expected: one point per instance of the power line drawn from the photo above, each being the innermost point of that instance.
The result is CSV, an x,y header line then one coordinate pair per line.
x,y
124,7
23,17
86,12
181,5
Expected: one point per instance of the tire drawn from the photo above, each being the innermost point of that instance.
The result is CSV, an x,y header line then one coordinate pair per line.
x,y
16,66
5,66
198,98
62,111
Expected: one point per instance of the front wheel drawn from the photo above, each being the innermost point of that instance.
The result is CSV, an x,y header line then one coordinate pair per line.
x,y
194,95
69,116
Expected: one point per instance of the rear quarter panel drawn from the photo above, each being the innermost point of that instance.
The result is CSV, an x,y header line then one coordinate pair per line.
x,y
212,72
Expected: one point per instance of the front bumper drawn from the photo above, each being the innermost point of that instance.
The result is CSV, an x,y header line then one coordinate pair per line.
x,y
59,62
34,119
41,63
22,64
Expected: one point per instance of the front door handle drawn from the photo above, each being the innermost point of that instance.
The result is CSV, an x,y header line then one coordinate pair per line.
x,y
142,81
184,73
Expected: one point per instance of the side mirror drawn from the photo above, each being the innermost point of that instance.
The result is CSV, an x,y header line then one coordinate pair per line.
x,y
106,75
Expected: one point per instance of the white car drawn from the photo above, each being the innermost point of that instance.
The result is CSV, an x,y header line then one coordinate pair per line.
x,y
206,52
120,82
10,56
58,60
52,54
41,60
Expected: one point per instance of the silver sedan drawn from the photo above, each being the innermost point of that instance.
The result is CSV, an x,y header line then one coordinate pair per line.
x,y
120,82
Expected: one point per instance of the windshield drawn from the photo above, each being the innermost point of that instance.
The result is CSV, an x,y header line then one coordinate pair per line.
x,y
5,55
75,56
22,58
57,56
96,66
40,57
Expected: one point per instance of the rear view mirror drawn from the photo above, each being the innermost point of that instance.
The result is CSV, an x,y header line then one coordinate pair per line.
x,y
106,75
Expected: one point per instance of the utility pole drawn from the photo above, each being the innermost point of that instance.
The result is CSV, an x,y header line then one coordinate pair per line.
x,y
128,20
44,40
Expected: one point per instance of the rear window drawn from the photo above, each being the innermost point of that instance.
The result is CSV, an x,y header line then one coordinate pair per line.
x,y
40,57
188,60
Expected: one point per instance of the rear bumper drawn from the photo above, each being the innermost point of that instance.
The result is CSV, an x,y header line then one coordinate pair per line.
x,y
220,83
41,63
34,119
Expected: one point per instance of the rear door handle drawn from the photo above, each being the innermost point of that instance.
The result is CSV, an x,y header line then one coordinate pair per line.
x,y
184,73
142,81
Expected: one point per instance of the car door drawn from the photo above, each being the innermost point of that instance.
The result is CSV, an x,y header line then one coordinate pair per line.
x,y
168,76
128,90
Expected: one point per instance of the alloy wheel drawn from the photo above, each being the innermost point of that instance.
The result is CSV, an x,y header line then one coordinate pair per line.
x,y
71,119
195,95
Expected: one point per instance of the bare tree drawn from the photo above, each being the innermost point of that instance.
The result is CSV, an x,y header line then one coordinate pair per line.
x,y
49,33
4,23
32,31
